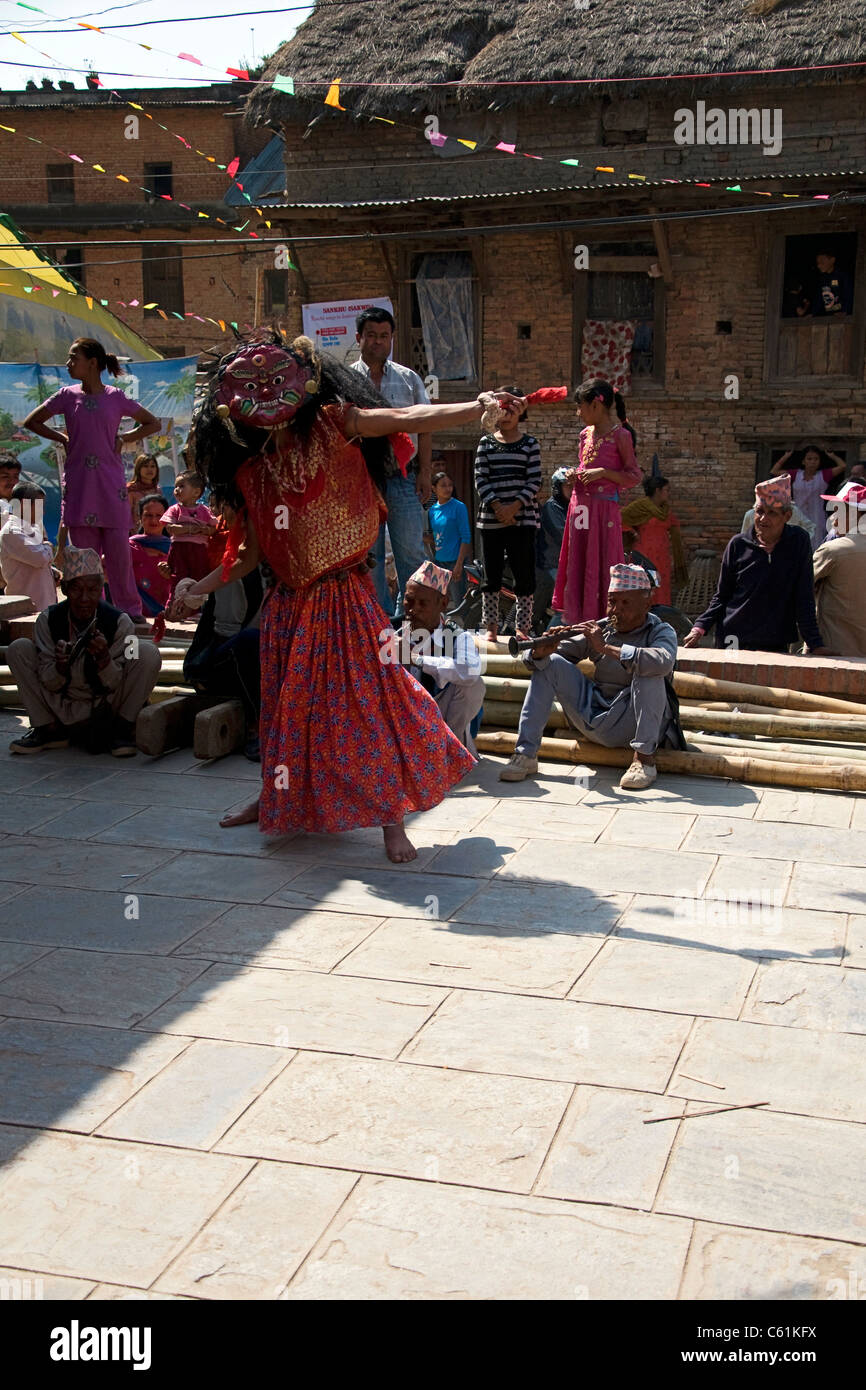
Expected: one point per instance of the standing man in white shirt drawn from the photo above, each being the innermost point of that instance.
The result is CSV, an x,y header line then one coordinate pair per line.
x,y
399,386
25,555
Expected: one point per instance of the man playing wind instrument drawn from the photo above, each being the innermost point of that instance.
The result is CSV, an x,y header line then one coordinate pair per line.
x,y
630,701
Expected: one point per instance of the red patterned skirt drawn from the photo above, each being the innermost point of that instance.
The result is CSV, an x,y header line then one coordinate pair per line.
x,y
347,740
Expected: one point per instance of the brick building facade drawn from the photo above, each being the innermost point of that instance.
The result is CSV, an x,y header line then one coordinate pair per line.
x,y
68,207
693,247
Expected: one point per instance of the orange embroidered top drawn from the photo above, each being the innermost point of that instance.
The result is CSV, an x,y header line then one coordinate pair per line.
x,y
314,506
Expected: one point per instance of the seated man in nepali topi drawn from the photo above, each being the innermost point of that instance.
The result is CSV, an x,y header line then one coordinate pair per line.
x,y
85,675
629,702
766,590
439,654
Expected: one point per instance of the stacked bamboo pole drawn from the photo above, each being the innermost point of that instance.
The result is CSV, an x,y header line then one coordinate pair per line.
x,y
735,731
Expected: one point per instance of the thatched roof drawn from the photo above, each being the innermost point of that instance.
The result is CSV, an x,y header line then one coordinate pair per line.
x,y
418,42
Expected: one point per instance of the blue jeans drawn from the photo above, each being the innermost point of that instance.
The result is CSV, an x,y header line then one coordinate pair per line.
x,y
406,529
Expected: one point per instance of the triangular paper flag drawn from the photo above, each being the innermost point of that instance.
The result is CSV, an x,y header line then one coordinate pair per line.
x,y
89,301
162,314
231,169
150,306
470,144
575,162
285,84
436,139
99,169
76,157
240,73
509,149
191,58
333,97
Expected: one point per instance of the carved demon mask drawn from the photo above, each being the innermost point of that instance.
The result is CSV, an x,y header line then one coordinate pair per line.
x,y
263,386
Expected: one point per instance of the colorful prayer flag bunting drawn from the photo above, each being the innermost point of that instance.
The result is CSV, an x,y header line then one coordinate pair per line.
x,y
333,97
284,84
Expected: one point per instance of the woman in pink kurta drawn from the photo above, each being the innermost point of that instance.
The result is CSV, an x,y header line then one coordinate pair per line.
x,y
592,540
95,500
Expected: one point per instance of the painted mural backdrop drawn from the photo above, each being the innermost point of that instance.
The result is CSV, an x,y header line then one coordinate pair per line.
x,y
166,388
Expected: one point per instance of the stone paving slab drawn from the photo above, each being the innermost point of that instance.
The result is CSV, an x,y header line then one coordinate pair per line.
x,y
24,1284
71,1077
87,819
538,907
736,926
726,1263
652,829
243,1252
547,821
807,808
385,1117
118,1213
21,812
609,868
775,1172
769,840
795,1069
197,1095
704,795
799,996
759,880
88,919
827,887
182,829
282,937
294,1008
14,957
855,953
232,879
95,987
557,1039
379,892
520,962
645,975
43,861
605,1152
406,1240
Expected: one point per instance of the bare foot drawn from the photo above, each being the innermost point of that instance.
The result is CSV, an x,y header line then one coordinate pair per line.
x,y
398,846
493,634
248,816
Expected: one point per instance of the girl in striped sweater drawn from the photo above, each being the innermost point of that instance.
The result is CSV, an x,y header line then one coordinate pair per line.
x,y
507,480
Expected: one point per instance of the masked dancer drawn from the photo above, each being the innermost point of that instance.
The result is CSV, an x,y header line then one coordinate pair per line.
x,y
299,445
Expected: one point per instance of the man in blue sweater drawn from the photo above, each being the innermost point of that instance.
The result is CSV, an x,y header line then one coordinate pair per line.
x,y
766,592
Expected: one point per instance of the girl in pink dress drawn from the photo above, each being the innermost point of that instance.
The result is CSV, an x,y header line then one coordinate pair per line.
x,y
95,508
592,540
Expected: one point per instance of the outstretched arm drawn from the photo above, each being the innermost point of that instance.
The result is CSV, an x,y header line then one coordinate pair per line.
x,y
417,419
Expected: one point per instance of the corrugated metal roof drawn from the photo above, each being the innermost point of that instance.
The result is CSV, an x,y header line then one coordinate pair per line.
x,y
263,178
717,184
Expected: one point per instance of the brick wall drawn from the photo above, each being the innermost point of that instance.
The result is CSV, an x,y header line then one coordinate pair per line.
x,y
218,282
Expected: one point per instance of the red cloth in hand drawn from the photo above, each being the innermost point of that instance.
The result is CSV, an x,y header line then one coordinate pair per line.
x,y
234,540
546,395
403,449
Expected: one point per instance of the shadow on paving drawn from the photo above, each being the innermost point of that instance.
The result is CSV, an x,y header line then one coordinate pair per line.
x,y
81,1037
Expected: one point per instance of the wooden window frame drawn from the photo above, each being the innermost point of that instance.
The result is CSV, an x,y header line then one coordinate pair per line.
x,y
851,444
150,177
163,253
773,313
64,174
448,390
621,265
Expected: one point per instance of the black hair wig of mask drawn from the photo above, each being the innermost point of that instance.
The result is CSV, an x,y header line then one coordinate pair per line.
x,y
218,457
